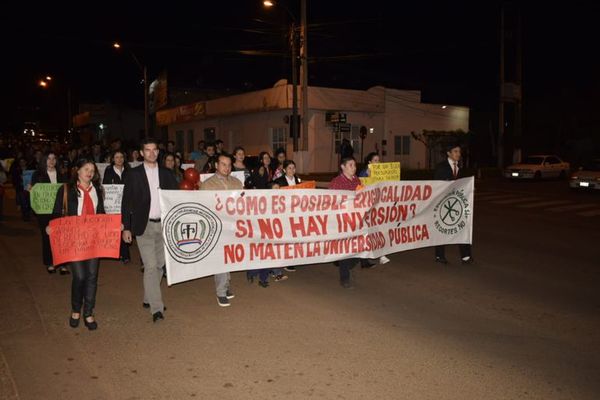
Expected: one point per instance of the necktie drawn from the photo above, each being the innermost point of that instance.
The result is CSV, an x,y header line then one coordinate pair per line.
x,y
455,170
88,204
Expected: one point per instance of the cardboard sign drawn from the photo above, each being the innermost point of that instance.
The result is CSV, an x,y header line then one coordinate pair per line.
x,y
113,196
101,169
382,172
85,237
43,197
302,185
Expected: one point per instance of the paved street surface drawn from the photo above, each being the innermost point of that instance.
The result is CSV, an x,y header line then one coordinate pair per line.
x,y
523,322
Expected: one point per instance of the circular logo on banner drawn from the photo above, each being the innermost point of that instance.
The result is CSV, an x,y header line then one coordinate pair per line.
x,y
191,232
451,213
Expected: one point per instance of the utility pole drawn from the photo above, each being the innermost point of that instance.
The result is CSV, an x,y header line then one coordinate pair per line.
x,y
519,100
295,120
500,147
304,73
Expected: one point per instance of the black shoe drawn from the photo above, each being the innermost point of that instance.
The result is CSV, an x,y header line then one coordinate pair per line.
x,y
249,277
290,269
51,270
64,271
469,261
125,261
229,295
92,326
156,316
441,260
74,322
263,284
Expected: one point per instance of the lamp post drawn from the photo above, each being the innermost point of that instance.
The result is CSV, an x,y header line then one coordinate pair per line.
x,y
297,34
144,72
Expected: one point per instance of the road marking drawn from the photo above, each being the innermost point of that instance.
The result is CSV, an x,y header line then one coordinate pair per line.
x,y
589,213
544,204
517,200
571,208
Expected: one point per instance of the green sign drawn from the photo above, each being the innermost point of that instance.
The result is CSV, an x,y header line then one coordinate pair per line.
x,y
43,196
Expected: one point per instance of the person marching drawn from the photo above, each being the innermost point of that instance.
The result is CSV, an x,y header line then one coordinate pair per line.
x,y
81,196
140,214
448,170
115,175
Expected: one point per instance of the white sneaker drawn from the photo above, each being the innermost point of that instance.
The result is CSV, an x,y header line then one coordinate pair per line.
x,y
383,260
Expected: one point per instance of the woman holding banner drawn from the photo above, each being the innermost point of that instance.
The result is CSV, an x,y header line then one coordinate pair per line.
x,y
82,196
47,173
115,175
263,175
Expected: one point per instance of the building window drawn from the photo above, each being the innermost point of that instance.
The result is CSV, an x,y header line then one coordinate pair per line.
x,y
278,138
190,141
402,145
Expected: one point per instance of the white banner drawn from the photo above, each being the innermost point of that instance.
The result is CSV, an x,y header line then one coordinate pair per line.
x,y
101,169
211,232
113,196
186,166
236,174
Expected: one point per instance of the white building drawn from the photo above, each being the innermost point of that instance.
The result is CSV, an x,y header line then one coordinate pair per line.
x,y
259,121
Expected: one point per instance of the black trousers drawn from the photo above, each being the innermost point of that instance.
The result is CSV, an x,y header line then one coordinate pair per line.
x,y
84,285
345,266
465,251
124,251
43,221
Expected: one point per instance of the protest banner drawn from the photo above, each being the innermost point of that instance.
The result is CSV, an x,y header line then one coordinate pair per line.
x,y
84,237
101,168
211,232
113,196
43,197
382,172
236,174
302,185
27,175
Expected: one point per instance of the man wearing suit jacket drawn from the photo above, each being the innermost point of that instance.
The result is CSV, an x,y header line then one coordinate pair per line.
x,y
448,170
140,213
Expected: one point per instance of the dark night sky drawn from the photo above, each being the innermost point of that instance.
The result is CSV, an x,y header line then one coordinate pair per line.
x,y
447,49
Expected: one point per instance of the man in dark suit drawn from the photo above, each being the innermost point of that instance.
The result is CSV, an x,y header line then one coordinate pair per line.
x,y
140,213
448,170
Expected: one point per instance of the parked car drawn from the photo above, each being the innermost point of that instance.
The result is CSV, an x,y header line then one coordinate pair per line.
x,y
588,176
538,167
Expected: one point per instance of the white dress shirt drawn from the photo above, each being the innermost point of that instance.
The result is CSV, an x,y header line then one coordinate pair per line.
x,y
291,181
118,171
93,195
52,176
154,184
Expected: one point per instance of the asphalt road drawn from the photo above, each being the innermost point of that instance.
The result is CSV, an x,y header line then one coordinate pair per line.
x,y
521,323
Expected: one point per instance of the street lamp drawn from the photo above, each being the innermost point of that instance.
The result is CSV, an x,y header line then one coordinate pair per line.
x,y
43,84
297,34
144,72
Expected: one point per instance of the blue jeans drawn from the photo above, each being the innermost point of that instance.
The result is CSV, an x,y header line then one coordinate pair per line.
x,y
345,266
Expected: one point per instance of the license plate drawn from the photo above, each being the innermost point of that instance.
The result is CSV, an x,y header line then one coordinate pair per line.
x,y
515,174
584,184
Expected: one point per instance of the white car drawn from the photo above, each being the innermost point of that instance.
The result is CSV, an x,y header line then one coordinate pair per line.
x,y
538,167
588,177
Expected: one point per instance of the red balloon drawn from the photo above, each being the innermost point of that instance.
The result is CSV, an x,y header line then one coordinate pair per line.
x,y
191,175
187,185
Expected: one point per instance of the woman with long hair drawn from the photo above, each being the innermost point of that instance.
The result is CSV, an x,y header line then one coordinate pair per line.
x,y
84,196
263,175
170,163
277,163
47,172
371,158
115,175
239,155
